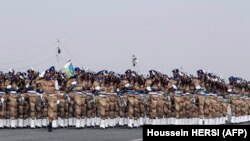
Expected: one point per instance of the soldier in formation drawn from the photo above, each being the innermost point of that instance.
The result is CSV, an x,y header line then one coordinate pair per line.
x,y
107,99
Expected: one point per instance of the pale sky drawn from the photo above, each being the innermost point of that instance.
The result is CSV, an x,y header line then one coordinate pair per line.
x,y
104,34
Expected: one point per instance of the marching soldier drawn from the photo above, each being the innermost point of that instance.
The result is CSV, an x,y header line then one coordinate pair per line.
x,y
49,88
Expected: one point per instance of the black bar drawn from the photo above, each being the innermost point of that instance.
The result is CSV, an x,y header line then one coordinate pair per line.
x,y
216,132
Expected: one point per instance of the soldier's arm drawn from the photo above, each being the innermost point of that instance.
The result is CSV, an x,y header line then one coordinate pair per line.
x,y
37,82
69,86
56,85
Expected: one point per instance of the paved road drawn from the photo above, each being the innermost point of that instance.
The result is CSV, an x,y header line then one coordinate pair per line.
x,y
114,134
71,134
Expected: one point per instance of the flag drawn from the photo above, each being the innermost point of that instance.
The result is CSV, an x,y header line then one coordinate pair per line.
x,y
134,60
58,50
69,69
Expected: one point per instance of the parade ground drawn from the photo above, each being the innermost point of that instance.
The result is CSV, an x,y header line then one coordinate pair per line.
x,y
71,134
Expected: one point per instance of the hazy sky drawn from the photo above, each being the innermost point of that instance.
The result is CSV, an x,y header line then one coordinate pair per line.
x,y
103,34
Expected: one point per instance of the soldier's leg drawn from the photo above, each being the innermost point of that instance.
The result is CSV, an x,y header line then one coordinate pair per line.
x,y
32,104
98,113
107,112
21,108
93,118
13,110
51,100
136,112
61,114
102,103
149,119
130,111
39,112
111,111
84,111
45,120
88,112
91,111
71,112
66,110
142,113
2,110
122,109
7,113
55,109
26,110
160,112
116,110
78,110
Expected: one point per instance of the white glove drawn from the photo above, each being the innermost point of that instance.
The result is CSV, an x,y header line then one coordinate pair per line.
x,y
58,101
57,85
68,99
27,86
198,87
22,98
2,100
174,87
97,88
73,83
127,85
8,87
149,88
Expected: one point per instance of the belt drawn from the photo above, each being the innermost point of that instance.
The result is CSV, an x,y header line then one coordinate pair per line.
x,y
132,92
111,93
153,93
51,94
13,92
233,94
213,94
102,95
89,93
177,94
32,92
39,94
78,93
203,94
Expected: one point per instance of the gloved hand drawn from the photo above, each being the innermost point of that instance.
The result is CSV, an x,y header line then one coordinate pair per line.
x,y
2,100
8,87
